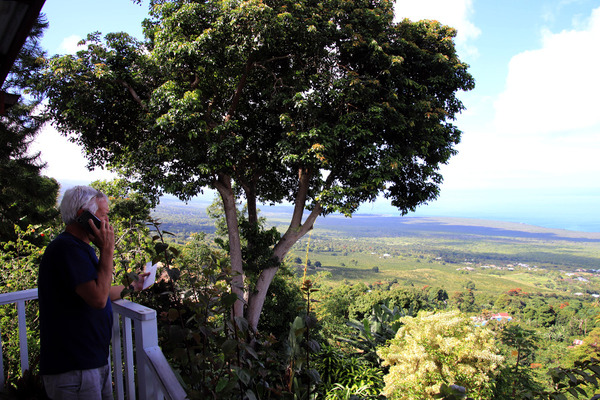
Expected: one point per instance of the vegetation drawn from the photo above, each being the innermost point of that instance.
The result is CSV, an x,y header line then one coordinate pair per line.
x,y
26,197
321,104
324,105
28,213
436,348
353,339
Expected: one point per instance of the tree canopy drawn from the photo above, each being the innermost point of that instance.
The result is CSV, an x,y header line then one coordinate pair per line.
x,y
323,104
26,197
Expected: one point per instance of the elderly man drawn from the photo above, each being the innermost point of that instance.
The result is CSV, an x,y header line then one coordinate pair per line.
x,y
75,290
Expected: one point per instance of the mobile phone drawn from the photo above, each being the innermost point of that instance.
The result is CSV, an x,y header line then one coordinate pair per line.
x,y
85,217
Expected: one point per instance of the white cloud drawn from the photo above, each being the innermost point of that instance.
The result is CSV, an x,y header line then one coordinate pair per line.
x,y
495,161
64,159
454,13
69,45
555,88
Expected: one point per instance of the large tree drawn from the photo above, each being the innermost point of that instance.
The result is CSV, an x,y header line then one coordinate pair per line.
x,y
325,104
26,197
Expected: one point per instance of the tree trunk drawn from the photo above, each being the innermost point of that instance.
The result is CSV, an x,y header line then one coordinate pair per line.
x,y
294,232
223,186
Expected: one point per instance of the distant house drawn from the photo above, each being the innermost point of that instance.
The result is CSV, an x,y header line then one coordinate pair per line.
x,y
501,316
577,342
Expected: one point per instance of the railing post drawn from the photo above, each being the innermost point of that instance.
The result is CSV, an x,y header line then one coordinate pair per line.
x,y
19,298
1,363
146,336
23,348
116,352
128,357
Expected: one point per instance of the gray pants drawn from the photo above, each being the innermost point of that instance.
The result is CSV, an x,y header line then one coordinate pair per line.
x,y
88,384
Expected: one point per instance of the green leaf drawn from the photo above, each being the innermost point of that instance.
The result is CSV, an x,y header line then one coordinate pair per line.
x,y
221,384
160,247
229,299
314,376
595,368
243,375
241,323
174,273
229,346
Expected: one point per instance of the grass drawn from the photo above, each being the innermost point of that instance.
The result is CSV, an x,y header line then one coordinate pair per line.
x,y
439,258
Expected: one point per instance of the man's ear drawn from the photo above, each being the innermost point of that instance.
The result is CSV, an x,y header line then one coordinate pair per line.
x,y
79,212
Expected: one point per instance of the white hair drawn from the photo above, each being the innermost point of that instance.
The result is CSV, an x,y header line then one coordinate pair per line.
x,y
77,198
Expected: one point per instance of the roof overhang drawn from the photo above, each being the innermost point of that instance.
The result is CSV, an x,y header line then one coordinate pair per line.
x,y
16,19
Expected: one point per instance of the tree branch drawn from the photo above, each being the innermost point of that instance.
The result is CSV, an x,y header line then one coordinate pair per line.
x,y
238,91
133,93
196,81
256,299
250,191
300,202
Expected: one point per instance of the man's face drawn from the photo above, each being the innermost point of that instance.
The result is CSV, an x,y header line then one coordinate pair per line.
x,y
102,212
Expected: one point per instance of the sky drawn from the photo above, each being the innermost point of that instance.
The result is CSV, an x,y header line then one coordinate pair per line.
x,y
531,128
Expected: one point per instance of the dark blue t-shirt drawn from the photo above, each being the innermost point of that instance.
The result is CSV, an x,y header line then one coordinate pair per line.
x,y
73,335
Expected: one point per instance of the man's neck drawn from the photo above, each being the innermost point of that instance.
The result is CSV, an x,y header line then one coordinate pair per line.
x,y
78,232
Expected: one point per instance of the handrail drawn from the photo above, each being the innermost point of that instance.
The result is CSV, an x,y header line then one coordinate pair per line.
x,y
154,374
155,378
160,368
20,298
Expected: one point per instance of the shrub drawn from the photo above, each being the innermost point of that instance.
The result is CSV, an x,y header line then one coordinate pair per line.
x,y
432,349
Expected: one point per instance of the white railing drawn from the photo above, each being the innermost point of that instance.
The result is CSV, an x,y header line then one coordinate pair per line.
x,y
19,298
155,378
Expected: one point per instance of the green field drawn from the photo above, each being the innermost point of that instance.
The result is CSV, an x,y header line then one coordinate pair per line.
x,y
418,251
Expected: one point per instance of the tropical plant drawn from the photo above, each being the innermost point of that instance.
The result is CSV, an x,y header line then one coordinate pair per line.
x,y
436,348
374,331
516,375
345,375
581,381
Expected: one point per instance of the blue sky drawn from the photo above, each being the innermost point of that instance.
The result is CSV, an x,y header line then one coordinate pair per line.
x,y
531,128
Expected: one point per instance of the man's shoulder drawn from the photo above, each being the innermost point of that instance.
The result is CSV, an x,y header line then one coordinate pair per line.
x,y
66,239
65,242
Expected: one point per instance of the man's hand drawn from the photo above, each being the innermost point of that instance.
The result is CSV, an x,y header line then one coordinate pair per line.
x,y
116,292
139,284
103,238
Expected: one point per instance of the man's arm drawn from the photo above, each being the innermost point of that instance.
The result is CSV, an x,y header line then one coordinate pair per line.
x,y
115,292
95,293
